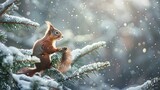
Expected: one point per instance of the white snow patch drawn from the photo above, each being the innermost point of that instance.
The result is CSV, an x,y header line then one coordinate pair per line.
x,y
140,86
17,19
80,52
26,82
7,54
15,51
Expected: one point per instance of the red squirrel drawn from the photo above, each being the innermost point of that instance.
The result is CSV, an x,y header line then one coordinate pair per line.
x,y
45,46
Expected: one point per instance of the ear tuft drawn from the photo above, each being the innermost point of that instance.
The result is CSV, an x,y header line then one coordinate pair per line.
x,y
49,25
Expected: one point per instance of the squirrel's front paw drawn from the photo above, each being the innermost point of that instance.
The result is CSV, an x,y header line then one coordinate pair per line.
x,y
64,48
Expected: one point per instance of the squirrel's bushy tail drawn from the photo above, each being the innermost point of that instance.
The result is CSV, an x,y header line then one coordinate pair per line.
x,y
66,61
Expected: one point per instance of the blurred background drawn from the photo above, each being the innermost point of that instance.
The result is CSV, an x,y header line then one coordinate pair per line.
x,y
131,29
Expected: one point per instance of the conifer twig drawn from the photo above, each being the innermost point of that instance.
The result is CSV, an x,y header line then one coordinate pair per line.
x,y
10,19
20,57
4,6
31,81
26,51
86,69
153,84
77,53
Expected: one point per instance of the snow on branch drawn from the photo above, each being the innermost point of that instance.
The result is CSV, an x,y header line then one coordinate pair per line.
x,y
25,58
20,57
152,84
26,51
23,55
12,54
86,69
77,53
139,87
36,82
10,19
6,56
4,6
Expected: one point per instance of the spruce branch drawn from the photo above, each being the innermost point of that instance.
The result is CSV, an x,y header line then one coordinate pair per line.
x,y
26,51
77,53
35,82
6,62
54,73
10,19
25,59
2,36
12,58
20,57
153,84
4,6
86,69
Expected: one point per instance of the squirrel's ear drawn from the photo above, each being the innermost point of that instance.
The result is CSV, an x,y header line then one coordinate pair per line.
x,y
49,25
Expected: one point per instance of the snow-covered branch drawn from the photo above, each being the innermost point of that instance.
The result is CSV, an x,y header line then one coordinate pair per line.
x,y
77,53
4,6
152,84
140,87
23,55
27,83
20,57
13,54
86,69
10,19
26,51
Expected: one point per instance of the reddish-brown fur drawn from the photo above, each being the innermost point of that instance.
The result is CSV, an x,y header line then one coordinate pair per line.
x,y
65,63
46,46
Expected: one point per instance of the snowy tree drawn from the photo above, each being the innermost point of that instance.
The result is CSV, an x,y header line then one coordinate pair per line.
x,y
13,59
128,31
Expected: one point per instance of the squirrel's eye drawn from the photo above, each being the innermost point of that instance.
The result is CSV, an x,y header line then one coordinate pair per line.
x,y
56,32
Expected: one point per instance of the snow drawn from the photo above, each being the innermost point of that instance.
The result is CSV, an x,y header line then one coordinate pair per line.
x,y
26,82
7,54
80,52
15,51
4,50
12,53
136,18
144,50
140,87
26,51
125,24
18,20
8,60
92,66
6,3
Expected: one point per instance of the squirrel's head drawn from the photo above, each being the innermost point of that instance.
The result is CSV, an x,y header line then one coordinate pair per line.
x,y
52,32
